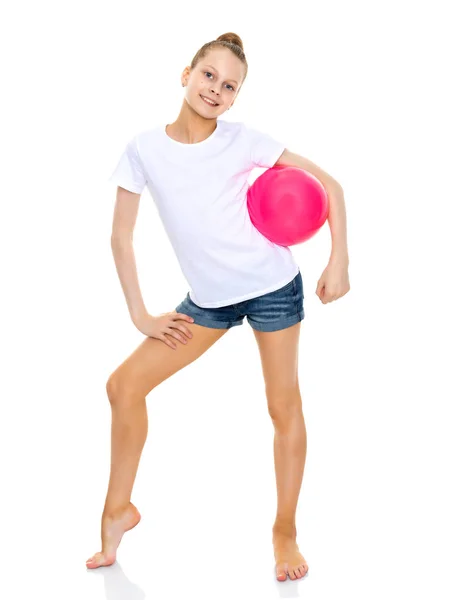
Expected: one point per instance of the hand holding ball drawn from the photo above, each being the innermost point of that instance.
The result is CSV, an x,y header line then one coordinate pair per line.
x,y
287,205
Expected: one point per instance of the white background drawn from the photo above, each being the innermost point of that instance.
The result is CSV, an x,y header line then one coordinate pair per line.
x,y
359,89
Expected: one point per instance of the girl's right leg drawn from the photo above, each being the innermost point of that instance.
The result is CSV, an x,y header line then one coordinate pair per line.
x,y
152,362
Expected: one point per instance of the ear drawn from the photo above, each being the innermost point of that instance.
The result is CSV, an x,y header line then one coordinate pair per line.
x,y
185,74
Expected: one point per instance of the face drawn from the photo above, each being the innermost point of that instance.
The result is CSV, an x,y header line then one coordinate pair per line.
x,y
218,76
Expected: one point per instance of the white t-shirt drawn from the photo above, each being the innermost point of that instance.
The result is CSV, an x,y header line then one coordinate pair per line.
x,y
200,194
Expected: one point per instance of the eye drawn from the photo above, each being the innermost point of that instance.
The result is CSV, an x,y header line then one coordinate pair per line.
x,y
229,85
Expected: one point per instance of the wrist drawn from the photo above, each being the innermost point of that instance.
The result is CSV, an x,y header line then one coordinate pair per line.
x,y
341,257
138,316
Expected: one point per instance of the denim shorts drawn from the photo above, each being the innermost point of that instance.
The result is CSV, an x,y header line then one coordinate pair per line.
x,y
270,312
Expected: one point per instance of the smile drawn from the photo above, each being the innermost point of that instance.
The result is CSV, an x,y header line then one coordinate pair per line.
x,y
207,101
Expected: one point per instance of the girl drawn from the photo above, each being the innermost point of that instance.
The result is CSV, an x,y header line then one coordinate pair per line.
x,y
196,170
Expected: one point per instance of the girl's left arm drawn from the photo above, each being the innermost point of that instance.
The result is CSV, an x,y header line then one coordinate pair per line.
x,y
334,281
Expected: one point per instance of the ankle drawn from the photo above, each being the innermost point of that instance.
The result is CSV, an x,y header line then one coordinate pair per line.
x,y
285,527
113,511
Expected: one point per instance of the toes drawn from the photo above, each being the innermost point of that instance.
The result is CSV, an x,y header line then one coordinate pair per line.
x,y
92,561
302,569
283,571
281,575
298,572
95,561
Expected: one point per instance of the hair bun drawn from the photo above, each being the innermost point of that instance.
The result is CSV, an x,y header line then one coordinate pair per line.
x,y
233,38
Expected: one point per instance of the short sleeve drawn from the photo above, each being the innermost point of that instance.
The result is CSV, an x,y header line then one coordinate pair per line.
x,y
129,172
264,149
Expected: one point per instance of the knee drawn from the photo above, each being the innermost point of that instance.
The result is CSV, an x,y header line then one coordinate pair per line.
x,y
119,391
283,404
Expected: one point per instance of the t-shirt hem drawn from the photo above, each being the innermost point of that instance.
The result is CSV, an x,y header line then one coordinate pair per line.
x,y
127,186
250,296
276,155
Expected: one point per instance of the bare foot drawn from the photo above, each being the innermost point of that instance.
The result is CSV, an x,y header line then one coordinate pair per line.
x,y
112,529
289,560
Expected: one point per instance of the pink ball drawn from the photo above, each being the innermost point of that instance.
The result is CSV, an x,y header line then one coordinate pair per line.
x,y
287,205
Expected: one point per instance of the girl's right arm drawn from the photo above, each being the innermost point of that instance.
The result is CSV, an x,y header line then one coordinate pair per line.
x,y
168,324
125,263
124,220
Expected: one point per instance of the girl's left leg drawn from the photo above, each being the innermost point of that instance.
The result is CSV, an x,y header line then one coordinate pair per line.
x,y
279,357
